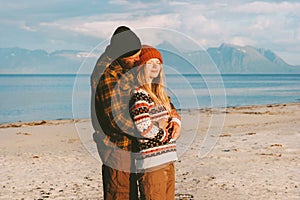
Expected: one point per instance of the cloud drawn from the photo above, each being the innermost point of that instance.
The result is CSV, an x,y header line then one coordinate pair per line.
x,y
260,7
241,41
178,3
64,24
27,28
118,2
102,26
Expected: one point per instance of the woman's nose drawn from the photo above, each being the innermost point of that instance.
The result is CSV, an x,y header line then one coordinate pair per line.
x,y
155,65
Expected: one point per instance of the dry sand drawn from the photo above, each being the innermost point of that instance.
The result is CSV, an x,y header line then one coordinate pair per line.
x,y
256,156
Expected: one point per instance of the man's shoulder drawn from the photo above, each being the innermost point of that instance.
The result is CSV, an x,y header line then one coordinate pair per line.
x,y
115,66
103,61
101,65
106,69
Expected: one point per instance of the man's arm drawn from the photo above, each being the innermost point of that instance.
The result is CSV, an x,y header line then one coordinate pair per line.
x,y
115,103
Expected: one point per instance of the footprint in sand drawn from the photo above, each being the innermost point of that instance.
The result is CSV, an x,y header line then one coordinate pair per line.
x,y
73,140
23,133
251,133
225,135
276,145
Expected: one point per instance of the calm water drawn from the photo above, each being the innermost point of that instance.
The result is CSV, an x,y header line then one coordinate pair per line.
x,y
37,97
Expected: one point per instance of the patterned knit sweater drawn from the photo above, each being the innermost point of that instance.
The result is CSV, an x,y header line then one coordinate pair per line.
x,y
155,144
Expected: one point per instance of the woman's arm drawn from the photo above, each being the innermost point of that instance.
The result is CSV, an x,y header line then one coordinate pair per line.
x,y
140,105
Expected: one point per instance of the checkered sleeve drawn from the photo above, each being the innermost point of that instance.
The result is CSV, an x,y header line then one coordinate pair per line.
x,y
115,103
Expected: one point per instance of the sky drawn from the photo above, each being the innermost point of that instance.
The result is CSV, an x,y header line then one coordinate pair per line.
x,y
82,24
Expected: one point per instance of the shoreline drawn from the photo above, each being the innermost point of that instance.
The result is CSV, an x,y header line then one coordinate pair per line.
x,y
256,156
72,120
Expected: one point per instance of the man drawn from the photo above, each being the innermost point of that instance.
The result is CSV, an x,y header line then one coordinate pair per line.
x,y
112,81
113,129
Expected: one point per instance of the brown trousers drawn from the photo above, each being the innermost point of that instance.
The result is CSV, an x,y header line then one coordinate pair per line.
x,y
158,184
119,185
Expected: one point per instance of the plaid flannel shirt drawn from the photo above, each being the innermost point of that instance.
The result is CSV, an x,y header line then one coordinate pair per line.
x,y
111,89
111,85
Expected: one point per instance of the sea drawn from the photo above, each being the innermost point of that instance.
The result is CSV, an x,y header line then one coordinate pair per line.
x,y
31,97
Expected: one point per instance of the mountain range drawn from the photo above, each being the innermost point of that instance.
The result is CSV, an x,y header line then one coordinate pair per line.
x,y
247,59
19,61
228,58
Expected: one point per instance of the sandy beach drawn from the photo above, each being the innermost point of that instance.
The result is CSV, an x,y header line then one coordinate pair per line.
x,y
256,156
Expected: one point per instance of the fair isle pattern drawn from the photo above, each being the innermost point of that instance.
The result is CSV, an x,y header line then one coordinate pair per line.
x,y
156,145
144,113
159,156
157,151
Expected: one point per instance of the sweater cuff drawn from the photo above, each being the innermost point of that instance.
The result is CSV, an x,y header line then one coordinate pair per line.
x,y
176,120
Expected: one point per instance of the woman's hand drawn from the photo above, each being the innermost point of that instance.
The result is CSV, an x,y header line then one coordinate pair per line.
x,y
163,123
176,132
175,128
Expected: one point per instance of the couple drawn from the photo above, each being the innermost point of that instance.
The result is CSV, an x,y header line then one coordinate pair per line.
x,y
136,125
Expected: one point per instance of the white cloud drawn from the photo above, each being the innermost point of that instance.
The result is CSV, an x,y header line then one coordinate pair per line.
x,y
178,3
118,2
27,28
262,23
127,6
241,41
266,24
260,7
103,26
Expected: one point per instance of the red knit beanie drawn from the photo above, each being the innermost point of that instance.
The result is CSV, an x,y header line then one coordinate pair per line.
x,y
147,53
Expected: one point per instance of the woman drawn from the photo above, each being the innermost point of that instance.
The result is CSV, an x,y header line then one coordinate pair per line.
x,y
150,109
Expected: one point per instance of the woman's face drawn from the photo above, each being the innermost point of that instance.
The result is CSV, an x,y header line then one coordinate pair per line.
x,y
153,67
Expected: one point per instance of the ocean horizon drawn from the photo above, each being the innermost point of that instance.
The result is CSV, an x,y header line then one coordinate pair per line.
x,y
32,97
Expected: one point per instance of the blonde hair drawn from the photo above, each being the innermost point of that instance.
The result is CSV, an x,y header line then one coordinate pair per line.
x,y
156,89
